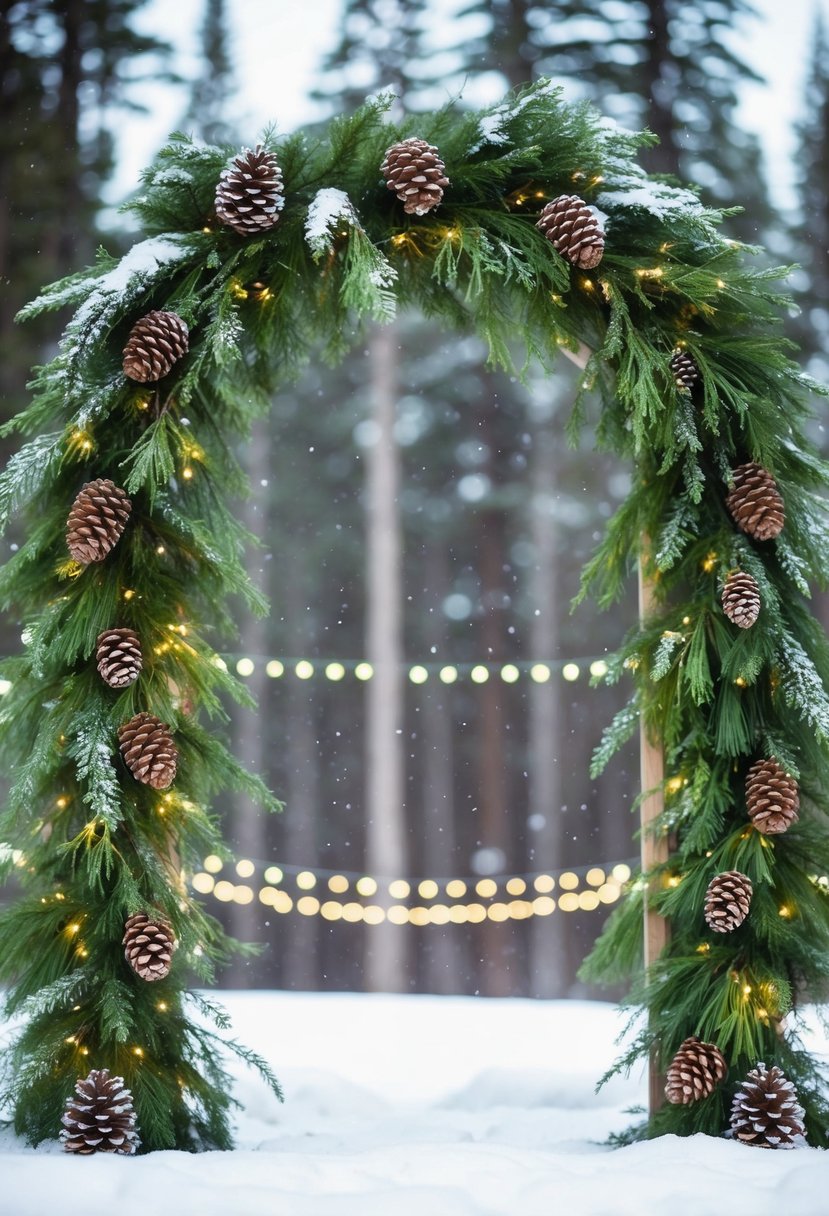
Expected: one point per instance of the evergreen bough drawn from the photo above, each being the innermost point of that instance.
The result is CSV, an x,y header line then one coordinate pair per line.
x,y
93,847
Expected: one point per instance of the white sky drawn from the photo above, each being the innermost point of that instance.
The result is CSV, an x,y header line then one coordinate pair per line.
x,y
278,46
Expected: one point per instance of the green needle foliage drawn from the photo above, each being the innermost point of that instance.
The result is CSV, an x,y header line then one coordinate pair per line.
x,y
92,846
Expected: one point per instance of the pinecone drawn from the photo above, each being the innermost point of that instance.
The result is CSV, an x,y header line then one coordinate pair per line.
x,y
765,1111
741,599
148,946
575,232
727,900
414,170
249,195
695,1072
98,517
684,369
156,343
118,652
755,503
149,751
772,797
101,1119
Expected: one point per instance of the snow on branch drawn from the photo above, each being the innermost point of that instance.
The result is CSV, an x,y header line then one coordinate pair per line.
x,y
327,209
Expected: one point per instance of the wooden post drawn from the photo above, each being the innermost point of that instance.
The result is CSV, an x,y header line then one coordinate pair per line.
x,y
654,849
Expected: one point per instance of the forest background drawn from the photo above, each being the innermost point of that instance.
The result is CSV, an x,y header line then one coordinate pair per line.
x,y
416,512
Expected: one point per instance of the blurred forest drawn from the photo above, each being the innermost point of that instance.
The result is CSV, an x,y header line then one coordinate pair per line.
x,y
416,511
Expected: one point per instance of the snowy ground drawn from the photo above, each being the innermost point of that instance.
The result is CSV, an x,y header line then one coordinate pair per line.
x,y
425,1106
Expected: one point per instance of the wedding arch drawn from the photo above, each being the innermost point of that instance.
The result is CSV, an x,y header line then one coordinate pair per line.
x,y
529,223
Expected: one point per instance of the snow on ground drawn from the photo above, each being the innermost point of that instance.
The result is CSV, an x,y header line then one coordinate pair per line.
x,y
426,1106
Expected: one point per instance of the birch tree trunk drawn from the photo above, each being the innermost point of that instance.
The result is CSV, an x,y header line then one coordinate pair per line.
x,y
301,962
549,964
248,831
386,854
444,959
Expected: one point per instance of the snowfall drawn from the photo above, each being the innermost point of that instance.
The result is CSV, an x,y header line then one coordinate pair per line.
x,y
426,1106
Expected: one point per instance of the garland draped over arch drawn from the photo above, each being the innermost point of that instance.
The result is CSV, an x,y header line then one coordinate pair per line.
x,y
93,846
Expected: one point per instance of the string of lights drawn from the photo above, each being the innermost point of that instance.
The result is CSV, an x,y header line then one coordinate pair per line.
x,y
361,898
336,670
477,672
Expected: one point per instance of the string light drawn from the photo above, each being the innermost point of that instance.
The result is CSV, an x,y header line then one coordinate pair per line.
x,y
418,673
504,898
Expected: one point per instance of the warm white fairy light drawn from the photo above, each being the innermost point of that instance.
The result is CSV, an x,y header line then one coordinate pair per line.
x,y
499,899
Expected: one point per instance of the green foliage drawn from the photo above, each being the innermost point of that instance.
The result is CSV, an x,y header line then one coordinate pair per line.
x,y
93,846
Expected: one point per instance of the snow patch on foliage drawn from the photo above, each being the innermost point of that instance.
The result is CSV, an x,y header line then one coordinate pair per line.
x,y
113,295
142,261
492,126
327,208
628,185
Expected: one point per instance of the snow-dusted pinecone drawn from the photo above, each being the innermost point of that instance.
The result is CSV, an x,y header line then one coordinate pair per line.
x,y
755,503
695,1072
765,1111
156,343
118,654
100,1117
575,232
148,946
772,797
249,196
727,900
414,171
98,517
741,599
684,369
149,751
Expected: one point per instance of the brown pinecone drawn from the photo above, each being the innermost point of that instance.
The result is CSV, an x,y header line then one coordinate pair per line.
x,y
575,232
118,653
741,599
727,900
772,797
149,751
755,503
249,195
156,343
695,1072
98,517
101,1118
414,170
765,1111
684,369
148,946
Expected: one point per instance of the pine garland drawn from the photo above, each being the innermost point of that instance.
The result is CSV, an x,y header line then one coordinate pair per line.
x,y
92,846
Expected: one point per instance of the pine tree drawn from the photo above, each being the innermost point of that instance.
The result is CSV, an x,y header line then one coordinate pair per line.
x,y
812,233
55,144
213,90
383,45
661,64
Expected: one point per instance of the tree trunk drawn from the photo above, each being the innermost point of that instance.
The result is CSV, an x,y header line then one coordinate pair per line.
x,y
301,967
497,979
443,962
385,961
549,963
69,227
248,831
659,91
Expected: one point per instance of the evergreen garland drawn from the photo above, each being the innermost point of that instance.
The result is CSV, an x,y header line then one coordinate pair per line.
x,y
93,846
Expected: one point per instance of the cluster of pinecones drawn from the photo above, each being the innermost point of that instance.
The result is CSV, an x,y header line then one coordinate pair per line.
x,y
764,1111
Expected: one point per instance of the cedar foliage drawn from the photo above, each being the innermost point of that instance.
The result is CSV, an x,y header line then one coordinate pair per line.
x,y
93,847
